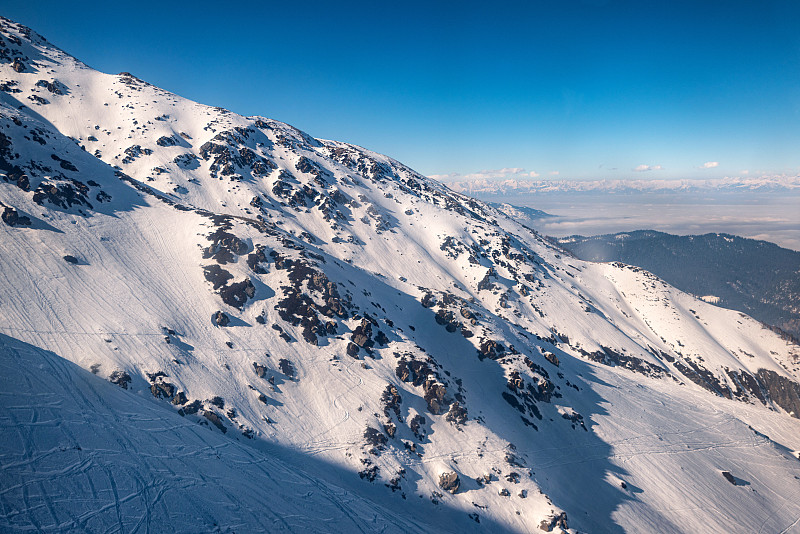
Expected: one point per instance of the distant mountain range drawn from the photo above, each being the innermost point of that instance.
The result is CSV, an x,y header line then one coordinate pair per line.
x,y
520,186
756,277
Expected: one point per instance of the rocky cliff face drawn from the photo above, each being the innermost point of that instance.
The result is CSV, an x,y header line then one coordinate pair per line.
x,y
319,302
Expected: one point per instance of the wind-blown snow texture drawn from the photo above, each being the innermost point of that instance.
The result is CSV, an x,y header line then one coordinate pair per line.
x,y
310,336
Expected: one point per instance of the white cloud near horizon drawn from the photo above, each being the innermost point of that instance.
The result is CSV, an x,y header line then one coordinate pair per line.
x,y
645,168
709,165
486,174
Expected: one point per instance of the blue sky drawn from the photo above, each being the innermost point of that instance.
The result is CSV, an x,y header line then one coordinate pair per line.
x,y
587,89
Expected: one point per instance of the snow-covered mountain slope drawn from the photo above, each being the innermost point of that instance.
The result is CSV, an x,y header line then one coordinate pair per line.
x,y
756,277
319,306
137,466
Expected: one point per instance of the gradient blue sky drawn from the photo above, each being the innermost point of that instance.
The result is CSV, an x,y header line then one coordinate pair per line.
x,y
588,89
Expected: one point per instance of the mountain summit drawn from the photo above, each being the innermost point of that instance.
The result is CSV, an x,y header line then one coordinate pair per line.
x,y
219,323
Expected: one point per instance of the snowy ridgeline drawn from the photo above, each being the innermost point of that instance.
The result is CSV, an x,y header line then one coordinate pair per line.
x,y
216,322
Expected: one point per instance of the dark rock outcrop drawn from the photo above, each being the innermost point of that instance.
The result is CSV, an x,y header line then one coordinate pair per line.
x,y
236,294
220,318
63,194
11,217
352,350
390,399
375,438
286,367
490,349
555,520
449,481
783,392
215,420
120,378
457,414
260,370
435,395
416,425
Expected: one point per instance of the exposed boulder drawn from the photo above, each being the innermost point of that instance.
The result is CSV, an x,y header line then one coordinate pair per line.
x,y
191,408
416,425
120,378
490,349
135,151
362,334
260,370
286,367
369,473
167,140
236,294
18,65
449,481
457,414
11,217
375,438
283,335
555,520
257,260
413,371
390,399
215,420
390,429
428,301
486,282
435,394
224,246
55,87
552,358
162,390
64,194
216,275
297,306
220,318
381,339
